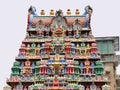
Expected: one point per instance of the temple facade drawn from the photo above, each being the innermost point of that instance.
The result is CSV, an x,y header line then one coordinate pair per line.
x,y
59,52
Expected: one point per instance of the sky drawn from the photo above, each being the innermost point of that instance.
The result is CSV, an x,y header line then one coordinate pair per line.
x,y
105,21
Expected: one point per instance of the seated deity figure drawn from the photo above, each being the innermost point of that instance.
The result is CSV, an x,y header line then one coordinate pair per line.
x,y
27,68
87,67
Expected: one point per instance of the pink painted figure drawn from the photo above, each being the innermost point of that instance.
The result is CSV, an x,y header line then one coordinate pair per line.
x,y
22,50
25,88
94,49
87,88
87,67
56,82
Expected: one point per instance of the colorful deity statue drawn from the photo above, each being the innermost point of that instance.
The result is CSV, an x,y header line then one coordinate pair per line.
x,y
73,48
87,67
63,48
47,48
87,51
81,67
56,83
32,49
37,49
27,68
82,48
88,13
31,13
28,49
22,50
92,67
68,49
77,49
94,50
52,48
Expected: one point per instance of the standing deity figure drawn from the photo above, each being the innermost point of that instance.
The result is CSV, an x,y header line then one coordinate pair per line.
x,y
47,48
68,49
28,49
77,49
87,67
56,82
31,13
88,13
87,51
82,49
37,50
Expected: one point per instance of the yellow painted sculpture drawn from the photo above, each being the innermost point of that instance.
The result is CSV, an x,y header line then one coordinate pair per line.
x,y
27,68
87,50
78,49
37,50
28,49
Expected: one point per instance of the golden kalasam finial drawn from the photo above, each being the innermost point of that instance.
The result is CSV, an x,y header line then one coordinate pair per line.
x,y
77,12
68,12
42,12
52,12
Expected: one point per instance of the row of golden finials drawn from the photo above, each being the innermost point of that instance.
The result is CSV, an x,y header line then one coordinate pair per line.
x,y
77,12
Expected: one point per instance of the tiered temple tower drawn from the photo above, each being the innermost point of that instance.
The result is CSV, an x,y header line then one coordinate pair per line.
x,y
59,52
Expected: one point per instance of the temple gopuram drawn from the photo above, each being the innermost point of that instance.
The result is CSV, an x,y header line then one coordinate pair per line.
x,y
59,52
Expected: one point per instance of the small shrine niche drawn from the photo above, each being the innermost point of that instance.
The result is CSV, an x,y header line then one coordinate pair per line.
x,y
58,26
